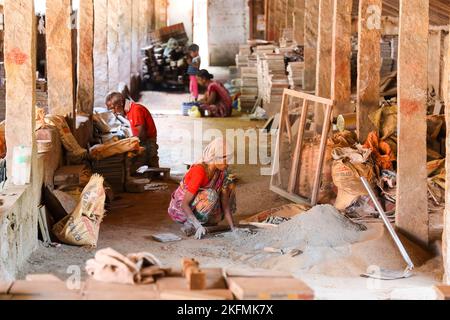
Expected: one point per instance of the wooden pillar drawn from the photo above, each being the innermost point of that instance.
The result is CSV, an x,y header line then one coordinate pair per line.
x,y
369,64
299,22
135,41
446,233
60,58
113,45
101,81
434,61
20,67
341,57
324,51
160,13
85,65
311,37
290,5
412,192
125,37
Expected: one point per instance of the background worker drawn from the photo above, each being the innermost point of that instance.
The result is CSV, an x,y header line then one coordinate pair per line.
x,y
142,124
194,62
217,101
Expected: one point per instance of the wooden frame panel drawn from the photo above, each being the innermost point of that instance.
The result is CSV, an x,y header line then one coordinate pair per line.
x,y
276,184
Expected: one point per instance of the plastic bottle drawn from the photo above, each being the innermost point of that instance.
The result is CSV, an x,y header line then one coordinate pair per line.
x,y
21,169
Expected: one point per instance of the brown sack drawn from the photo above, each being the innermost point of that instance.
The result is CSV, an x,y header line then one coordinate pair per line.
x,y
308,169
81,228
346,177
103,151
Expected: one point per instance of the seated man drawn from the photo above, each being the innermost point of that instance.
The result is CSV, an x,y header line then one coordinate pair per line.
x,y
142,124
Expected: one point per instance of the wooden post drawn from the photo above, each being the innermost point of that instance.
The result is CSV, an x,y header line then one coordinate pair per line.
x,y
20,67
101,82
113,45
324,51
341,57
434,62
369,64
85,65
311,34
412,194
125,37
446,234
60,58
299,22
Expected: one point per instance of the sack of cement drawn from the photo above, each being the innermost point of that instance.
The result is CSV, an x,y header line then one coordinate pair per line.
x,y
103,151
82,226
75,151
348,166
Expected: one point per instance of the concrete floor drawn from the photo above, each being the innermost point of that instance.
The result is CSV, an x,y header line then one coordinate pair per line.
x,y
129,229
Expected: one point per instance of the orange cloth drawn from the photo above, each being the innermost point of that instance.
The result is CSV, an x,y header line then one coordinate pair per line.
x,y
382,151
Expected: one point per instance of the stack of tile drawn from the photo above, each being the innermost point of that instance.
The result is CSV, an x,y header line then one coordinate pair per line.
x,y
113,170
272,78
249,88
296,71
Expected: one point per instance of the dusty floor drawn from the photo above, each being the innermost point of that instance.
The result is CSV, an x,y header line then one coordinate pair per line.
x,y
129,229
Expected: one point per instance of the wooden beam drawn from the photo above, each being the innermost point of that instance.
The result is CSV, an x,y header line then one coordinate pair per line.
x,y
113,45
20,68
299,22
85,64
311,34
434,62
101,82
341,57
59,58
369,64
412,197
446,237
125,41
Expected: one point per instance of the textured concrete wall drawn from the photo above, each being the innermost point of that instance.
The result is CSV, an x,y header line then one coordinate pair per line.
x,y
180,11
228,25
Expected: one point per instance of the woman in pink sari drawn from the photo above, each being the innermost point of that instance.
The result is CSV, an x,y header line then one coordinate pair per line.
x,y
217,101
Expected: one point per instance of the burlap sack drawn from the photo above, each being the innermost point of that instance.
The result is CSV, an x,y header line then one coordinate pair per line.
x,y
103,151
81,228
346,177
310,155
70,143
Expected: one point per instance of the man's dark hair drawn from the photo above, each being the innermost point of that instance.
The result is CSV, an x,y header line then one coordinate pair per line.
x,y
115,98
194,48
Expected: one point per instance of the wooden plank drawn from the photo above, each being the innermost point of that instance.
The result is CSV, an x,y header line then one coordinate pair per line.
x,y
311,32
446,229
20,68
307,96
293,178
443,292
341,57
369,64
85,59
101,82
96,290
324,50
412,213
434,62
299,21
59,58
269,289
323,145
180,295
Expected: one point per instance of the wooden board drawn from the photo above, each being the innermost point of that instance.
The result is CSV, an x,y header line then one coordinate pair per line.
x,y
286,211
95,290
443,292
43,290
269,289
291,139
217,294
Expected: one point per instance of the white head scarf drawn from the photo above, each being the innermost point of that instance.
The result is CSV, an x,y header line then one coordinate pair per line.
x,y
217,151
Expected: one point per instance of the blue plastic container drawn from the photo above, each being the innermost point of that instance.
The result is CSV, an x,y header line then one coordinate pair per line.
x,y
186,106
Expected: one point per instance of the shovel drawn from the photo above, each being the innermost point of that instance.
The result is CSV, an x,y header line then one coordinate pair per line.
x,y
384,274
